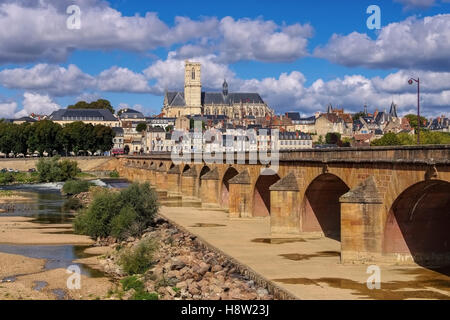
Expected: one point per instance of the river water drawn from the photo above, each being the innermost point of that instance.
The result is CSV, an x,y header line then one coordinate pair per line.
x,y
47,209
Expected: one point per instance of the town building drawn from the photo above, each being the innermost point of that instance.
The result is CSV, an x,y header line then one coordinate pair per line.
x,y
91,116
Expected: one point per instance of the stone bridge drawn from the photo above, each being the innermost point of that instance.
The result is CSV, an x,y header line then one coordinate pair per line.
x,y
386,204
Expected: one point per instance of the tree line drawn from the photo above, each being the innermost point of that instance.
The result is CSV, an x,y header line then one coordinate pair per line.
x,y
49,137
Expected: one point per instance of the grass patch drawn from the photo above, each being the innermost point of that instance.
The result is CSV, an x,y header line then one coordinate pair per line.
x,y
139,259
73,187
114,174
132,282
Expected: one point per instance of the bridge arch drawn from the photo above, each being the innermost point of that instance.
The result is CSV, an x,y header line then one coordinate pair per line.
x,y
261,194
320,208
205,169
186,168
230,173
418,224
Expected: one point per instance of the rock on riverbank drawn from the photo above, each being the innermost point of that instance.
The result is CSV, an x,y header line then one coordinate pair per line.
x,y
184,269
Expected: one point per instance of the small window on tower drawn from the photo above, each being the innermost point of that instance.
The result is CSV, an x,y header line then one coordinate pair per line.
x,y
193,74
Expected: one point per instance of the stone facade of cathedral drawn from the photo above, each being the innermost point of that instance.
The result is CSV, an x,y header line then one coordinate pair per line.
x,y
195,102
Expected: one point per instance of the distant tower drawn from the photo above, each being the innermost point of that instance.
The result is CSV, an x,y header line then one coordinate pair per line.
x,y
192,84
393,111
225,88
365,110
330,108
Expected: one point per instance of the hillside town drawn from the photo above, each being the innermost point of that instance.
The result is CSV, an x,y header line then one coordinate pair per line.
x,y
238,122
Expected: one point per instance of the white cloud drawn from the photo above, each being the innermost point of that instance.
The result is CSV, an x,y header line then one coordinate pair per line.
x,y
7,109
38,104
43,25
413,43
51,79
118,79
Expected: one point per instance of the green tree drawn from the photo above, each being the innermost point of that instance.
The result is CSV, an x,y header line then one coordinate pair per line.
x,y
389,139
412,118
99,104
141,127
45,137
103,137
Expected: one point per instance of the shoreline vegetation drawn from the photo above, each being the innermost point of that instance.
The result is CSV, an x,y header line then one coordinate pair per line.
x,y
149,258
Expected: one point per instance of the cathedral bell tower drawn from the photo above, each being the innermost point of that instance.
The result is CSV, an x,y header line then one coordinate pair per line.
x,y
192,84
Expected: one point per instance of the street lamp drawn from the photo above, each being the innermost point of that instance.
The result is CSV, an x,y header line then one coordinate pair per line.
x,y
411,81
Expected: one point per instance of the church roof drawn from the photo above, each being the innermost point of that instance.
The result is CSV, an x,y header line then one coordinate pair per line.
x,y
176,99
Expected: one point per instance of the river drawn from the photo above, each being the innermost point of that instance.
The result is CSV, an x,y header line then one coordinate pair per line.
x,y
37,244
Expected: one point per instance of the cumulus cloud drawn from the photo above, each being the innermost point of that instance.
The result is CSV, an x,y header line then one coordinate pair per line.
x,y
412,43
43,25
38,104
118,79
51,79
7,109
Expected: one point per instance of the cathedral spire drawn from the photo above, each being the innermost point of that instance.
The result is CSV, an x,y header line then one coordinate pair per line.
x,y
225,88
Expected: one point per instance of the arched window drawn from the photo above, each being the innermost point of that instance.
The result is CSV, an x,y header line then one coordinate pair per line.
x,y
193,74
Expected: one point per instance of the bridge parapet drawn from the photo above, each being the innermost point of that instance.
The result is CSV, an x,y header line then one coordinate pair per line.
x,y
426,154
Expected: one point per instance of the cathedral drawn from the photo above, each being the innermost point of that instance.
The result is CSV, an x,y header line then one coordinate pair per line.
x,y
195,102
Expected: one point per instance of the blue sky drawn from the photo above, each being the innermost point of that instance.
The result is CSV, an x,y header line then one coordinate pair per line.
x,y
299,55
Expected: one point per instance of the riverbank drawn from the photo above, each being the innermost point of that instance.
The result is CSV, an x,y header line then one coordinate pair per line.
x,y
184,269
23,239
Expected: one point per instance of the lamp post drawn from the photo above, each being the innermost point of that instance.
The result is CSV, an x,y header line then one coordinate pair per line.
x,y
411,81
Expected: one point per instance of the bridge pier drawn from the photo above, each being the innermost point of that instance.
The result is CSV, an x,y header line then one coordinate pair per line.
x,y
240,196
210,189
188,182
362,223
284,206
174,180
161,178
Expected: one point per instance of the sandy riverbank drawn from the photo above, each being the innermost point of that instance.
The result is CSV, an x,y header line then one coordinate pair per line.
x,y
21,230
29,273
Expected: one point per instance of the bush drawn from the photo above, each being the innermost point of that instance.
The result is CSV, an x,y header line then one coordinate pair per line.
x,y
132,282
6,178
122,224
139,259
96,220
128,212
72,204
114,174
73,187
53,170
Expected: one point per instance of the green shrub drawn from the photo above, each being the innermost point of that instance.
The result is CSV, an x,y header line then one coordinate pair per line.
x,y
95,221
121,225
128,212
72,204
53,170
132,282
138,259
6,178
144,201
73,187
114,174
142,295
